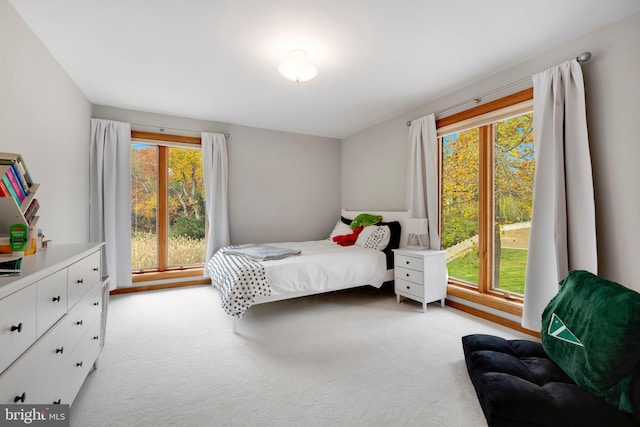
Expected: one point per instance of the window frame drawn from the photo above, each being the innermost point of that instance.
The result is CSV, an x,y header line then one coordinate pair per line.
x,y
483,294
163,272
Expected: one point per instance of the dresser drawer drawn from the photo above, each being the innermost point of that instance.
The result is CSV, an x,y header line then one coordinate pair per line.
x,y
51,300
17,324
84,314
81,361
408,262
82,275
409,275
37,376
410,288
94,270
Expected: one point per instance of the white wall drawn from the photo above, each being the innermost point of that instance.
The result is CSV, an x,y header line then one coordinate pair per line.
x,y
378,155
282,186
44,116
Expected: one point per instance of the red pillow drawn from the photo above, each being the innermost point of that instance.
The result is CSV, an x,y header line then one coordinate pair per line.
x,y
348,239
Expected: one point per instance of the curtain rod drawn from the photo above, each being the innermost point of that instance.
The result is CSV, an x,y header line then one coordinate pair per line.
x,y
162,129
583,57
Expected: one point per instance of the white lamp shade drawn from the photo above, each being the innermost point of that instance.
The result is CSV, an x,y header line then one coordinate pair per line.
x,y
297,68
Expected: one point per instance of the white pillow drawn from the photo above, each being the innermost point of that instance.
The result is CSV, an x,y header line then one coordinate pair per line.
x,y
374,237
340,229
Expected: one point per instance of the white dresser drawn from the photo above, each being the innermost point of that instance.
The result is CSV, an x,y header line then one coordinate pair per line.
x,y
420,275
52,324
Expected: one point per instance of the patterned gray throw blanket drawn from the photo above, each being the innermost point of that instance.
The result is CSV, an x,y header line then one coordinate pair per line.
x,y
261,252
239,276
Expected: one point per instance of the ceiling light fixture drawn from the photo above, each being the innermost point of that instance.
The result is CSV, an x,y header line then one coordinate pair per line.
x,y
297,68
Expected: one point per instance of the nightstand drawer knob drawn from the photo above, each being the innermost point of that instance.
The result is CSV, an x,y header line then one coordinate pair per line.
x,y
408,275
408,263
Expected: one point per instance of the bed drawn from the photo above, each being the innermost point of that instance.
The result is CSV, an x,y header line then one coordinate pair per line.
x,y
319,266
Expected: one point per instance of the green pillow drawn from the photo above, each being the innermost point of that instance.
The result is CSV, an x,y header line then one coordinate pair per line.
x,y
365,220
591,329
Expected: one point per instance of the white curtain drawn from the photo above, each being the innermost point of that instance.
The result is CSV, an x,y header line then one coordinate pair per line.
x,y
215,173
563,231
422,175
110,197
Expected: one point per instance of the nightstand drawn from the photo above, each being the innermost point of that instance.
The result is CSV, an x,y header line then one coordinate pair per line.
x,y
420,275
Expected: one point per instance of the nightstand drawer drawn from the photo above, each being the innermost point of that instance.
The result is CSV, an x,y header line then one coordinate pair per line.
x,y
409,275
408,262
410,288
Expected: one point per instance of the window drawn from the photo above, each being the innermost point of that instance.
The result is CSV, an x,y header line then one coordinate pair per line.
x,y
488,167
168,210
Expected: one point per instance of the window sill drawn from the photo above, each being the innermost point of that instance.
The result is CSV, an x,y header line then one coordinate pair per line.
x,y
511,305
166,275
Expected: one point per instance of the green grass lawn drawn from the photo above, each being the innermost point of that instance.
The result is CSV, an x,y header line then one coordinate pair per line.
x,y
512,269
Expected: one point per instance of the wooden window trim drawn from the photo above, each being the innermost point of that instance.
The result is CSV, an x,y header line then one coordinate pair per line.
x,y
175,273
501,301
152,136
498,104
163,217
486,208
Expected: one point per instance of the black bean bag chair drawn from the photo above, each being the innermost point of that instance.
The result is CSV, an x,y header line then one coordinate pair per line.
x,y
517,384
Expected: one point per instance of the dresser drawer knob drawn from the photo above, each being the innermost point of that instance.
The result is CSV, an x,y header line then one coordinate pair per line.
x,y
17,328
79,323
60,350
79,364
96,303
80,281
96,337
408,274
407,262
20,398
408,287
56,299
96,269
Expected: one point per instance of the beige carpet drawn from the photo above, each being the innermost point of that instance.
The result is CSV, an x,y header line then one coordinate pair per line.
x,y
352,358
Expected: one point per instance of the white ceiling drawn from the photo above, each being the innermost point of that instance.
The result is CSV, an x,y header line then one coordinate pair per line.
x,y
218,59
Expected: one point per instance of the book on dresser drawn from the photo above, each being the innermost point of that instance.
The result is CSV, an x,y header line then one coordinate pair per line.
x,y
15,182
14,159
4,192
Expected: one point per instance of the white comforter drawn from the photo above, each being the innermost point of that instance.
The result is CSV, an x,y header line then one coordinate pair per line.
x,y
323,266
